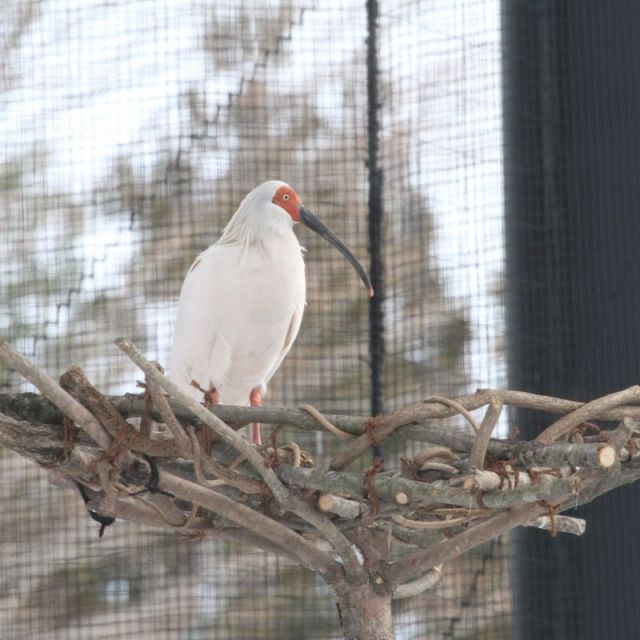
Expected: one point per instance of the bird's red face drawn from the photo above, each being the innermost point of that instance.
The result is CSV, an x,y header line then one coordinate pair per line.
x,y
287,199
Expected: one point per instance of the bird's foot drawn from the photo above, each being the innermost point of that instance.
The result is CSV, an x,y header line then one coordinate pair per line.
x,y
210,395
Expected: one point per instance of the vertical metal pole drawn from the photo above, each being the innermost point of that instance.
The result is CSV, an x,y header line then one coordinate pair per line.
x,y
376,309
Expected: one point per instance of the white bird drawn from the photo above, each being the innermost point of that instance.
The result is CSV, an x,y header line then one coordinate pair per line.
x,y
243,298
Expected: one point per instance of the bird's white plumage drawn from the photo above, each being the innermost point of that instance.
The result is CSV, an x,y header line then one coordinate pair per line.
x,y
241,303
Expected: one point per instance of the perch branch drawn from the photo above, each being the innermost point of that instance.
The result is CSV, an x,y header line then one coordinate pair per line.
x,y
36,408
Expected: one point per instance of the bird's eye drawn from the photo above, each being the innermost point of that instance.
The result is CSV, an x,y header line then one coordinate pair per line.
x,y
285,196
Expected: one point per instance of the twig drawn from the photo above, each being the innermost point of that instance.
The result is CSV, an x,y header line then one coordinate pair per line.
x,y
458,408
561,406
167,509
434,452
443,467
197,462
133,510
295,452
483,480
322,420
619,437
47,386
428,524
161,403
416,537
589,411
479,450
560,454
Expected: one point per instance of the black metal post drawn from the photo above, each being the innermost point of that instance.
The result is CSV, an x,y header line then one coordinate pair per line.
x,y
376,310
572,157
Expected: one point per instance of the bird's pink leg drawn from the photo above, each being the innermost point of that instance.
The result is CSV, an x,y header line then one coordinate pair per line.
x,y
255,400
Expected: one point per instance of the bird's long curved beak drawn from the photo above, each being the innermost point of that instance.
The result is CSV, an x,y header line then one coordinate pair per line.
x,y
309,220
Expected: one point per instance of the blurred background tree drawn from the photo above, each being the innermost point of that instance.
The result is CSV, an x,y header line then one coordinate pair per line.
x,y
133,131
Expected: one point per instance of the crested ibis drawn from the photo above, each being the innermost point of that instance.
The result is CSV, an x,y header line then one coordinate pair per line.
x,y
243,298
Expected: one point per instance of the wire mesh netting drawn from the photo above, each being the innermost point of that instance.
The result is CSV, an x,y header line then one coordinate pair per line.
x,y
131,131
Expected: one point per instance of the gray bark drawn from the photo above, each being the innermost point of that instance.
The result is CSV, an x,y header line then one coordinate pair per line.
x,y
364,614
371,535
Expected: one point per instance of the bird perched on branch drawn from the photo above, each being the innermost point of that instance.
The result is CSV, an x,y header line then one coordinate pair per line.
x,y
242,301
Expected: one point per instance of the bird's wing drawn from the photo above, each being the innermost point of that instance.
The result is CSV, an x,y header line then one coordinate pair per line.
x,y
237,317
292,332
195,338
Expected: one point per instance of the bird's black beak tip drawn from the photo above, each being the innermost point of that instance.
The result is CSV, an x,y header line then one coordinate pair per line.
x,y
313,223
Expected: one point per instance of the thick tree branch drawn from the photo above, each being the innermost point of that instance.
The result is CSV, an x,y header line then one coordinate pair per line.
x,y
39,409
426,582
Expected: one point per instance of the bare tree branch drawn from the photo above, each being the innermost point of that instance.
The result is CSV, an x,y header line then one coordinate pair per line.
x,y
479,449
58,396
428,581
589,411
305,552
385,534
